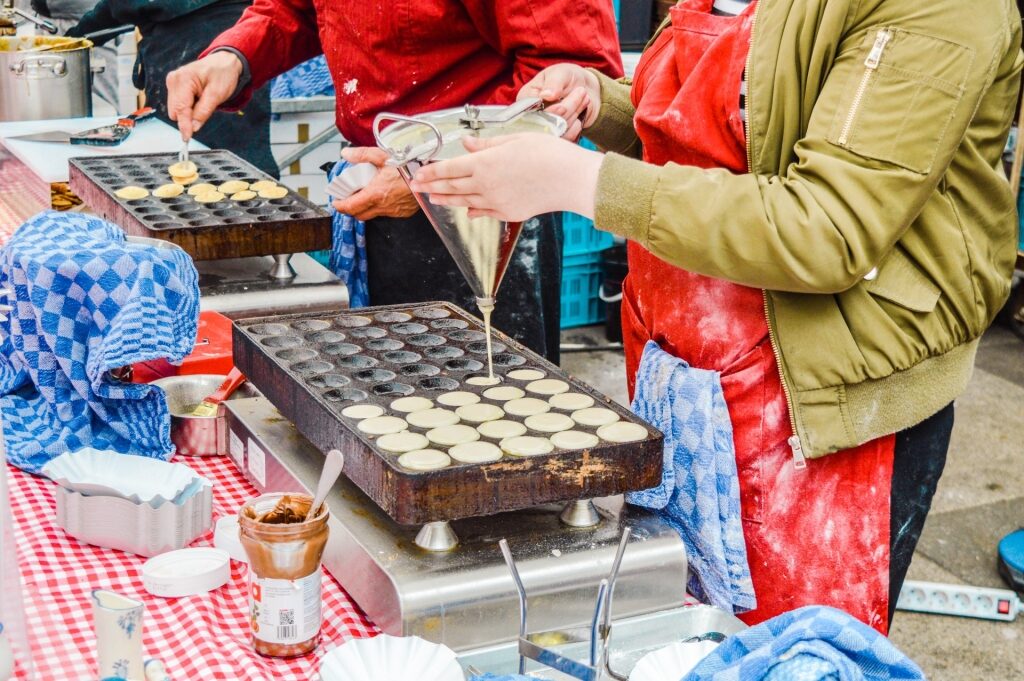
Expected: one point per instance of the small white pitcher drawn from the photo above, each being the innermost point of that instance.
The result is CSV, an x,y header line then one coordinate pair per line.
x,y
118,623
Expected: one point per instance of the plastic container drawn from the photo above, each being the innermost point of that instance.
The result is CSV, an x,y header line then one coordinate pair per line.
x,y
322,257
615,269
581,284
285,580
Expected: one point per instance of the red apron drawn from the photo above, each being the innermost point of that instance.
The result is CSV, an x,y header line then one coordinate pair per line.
x,y
818,535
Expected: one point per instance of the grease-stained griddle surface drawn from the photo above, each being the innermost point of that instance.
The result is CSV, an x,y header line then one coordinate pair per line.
x,y
207,231
314,365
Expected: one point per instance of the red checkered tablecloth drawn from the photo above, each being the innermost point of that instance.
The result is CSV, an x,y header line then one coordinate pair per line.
x,y
201,637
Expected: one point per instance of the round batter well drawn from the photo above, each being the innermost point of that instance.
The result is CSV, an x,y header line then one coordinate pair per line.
x,y
525,374
432,418
449,436
362,411
210,197
424,460
549,423
260,185
411,404
168,191
458,398
594,416
499,430
131,192
382,425
571,401
504,393
483,380
548,386
233,187
479,413
182,169
273,192
201,188
621,432
402,442
475,452
574,439
527,406
527,445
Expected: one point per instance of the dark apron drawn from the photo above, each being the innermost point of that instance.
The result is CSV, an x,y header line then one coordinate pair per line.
x,y
166,46
408,263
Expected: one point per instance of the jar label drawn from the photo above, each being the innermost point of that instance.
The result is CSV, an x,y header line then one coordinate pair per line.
x,y
284,610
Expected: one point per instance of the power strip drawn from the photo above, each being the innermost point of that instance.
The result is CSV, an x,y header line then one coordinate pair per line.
x,y
963,601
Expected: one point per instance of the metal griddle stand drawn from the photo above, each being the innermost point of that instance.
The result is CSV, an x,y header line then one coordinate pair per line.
x,y
459,592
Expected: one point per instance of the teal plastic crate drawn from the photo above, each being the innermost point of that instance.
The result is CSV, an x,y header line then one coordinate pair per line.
x,y
581,237
581,285
322,257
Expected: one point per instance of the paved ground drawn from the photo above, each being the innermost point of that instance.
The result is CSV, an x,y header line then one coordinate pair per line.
x,y
980,499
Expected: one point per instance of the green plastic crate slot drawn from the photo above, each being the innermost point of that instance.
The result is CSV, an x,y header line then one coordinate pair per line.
x,y
581,284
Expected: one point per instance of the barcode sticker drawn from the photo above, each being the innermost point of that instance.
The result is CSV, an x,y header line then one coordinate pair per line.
x,y
236,448
285,611
257,464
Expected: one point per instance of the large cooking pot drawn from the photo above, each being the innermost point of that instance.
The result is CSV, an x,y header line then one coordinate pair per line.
x,y
44,78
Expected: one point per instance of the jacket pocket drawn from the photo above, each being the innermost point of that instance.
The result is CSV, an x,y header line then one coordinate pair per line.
x,y
899,102
900,281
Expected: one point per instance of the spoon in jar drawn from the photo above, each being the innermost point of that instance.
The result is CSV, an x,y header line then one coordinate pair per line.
x,y
328,476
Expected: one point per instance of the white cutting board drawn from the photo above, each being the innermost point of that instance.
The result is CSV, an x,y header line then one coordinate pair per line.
x,y
49,160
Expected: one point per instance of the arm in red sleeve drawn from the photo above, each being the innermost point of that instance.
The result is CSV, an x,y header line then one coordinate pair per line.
x,y
539,34
272,36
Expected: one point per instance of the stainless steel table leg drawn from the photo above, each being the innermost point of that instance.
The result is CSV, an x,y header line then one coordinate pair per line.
x,y
282,268
580,513
437,536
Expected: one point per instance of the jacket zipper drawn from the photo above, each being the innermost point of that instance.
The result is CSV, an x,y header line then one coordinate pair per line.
x,y
870,67
799,461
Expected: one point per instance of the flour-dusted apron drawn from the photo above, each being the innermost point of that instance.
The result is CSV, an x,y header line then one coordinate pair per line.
x,y
816,535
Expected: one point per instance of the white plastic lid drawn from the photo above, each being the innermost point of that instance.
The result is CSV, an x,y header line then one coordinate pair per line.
x,y
225,537
186,572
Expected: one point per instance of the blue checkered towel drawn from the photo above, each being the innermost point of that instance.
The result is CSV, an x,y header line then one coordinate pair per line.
x,y
86,302
308,79
809,644
699,494
348,249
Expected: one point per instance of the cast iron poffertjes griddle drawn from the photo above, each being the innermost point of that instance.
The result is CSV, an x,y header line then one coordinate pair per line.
x,y
314,365
206,231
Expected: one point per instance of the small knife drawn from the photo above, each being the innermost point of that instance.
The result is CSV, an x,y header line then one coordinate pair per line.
x,y
105,136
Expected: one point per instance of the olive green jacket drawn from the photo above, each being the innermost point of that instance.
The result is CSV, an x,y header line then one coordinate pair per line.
x,y
876,217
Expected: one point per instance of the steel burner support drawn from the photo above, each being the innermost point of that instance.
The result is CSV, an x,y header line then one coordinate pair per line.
x,y
464,597
580,513
437,536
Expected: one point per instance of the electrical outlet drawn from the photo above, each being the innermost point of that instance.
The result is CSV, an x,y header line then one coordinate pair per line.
x,y
962,601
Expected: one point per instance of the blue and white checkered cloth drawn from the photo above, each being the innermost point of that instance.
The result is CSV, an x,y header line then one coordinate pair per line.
x,y
814,643
86,302
699,494
308,79
348,249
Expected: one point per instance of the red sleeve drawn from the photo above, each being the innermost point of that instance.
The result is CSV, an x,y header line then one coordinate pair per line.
x,y
274,36
539,34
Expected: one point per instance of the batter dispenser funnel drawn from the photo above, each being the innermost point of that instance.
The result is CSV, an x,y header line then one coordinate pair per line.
x,y
482,246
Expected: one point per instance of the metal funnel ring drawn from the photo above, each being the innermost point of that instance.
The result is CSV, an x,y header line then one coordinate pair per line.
x,y
406,155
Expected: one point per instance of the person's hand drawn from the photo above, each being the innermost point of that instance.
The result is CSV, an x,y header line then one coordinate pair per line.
x,y
387,195
515,177
195,90
570,91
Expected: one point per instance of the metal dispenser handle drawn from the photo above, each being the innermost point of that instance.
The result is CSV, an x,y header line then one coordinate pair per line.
x,y
600,625
403,156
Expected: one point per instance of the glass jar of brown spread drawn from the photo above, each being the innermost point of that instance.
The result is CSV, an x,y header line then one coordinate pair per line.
x,y
284,554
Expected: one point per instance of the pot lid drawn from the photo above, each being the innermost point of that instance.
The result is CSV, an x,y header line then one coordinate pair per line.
x,y
437,135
